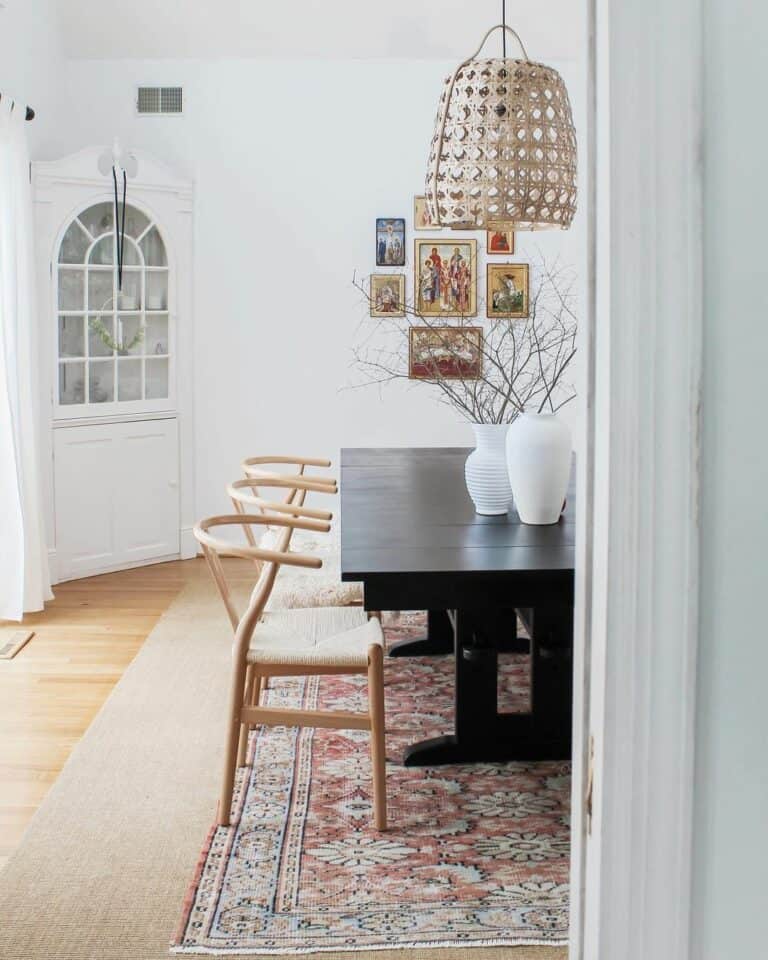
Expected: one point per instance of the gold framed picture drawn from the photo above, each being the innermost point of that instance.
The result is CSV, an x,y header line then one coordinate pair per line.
x,y
390,241
499,241
507,291
387,295
421,218
445,277
447,353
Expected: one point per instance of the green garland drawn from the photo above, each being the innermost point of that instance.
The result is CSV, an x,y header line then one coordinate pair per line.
x,y
97,325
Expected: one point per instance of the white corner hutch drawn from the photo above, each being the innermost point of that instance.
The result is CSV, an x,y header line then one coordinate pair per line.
x,y
116,367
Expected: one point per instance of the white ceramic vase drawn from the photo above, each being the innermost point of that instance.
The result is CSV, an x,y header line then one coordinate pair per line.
x,y
486,470
539,464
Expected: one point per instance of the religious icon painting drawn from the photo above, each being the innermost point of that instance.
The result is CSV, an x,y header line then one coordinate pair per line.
x,y
390,242
507,291
387,295
445,353
421,217
499,240
445,277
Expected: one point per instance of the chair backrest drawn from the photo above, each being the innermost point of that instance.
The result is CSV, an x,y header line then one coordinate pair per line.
x,y
268,563
260,475
290,468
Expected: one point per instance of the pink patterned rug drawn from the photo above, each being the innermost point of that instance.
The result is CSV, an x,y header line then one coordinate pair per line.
x,y
475,855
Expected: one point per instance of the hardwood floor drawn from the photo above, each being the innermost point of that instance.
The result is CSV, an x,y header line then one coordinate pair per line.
x,y
53,688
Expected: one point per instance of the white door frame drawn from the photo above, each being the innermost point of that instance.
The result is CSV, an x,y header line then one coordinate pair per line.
x,y
637,587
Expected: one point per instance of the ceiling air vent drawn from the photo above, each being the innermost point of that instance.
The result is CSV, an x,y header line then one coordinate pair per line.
x,y
156,101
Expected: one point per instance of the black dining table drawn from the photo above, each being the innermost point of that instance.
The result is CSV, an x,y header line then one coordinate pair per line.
x,y
410,534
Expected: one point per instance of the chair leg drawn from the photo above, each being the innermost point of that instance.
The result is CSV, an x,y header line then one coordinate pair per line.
x,y
231,744
242,747
378,747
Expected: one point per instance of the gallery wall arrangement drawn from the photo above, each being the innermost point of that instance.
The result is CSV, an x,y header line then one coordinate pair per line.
x,y
444,286
491,333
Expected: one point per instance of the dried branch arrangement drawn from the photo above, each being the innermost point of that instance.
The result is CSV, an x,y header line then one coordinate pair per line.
x,y
521,366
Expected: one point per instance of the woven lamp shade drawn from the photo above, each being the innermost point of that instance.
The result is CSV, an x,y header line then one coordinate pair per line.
x,y
504,147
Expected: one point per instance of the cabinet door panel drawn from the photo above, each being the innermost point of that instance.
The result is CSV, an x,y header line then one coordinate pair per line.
x,y
116,495
146,495
85,539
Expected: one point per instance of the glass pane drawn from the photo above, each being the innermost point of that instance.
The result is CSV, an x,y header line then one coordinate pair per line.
x,y
157,291
103,251
154,249
100,289
128,379
157,379
74,245
72,382
130,335
135,223
157,335
130,298
101,381
71,337
101,329
71,290
98,219
131,256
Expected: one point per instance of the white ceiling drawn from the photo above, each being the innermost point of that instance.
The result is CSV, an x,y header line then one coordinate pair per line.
x,y
423,29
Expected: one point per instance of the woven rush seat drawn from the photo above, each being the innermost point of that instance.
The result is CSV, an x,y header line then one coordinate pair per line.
x,y
297,587
313,588
335,636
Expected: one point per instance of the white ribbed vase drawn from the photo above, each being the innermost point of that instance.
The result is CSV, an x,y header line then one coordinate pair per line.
x,y
539,462
486,470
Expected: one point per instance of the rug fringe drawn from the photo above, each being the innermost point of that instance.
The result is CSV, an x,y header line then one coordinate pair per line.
x,y
189,898
346,948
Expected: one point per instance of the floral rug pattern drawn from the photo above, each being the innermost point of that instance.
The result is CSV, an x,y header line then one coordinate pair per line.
x,y
475,855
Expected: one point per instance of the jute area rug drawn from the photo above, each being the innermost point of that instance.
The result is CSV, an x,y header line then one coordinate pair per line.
x,y
105,866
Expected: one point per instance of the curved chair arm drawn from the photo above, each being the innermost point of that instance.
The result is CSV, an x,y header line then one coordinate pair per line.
x,y
296,461
292,481
226,549
237,493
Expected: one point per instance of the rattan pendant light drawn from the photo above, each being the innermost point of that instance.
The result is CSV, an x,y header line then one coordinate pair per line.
x,y
504,147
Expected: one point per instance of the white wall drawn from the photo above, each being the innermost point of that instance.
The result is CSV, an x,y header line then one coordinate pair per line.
x,y
292,162
731,816
31,64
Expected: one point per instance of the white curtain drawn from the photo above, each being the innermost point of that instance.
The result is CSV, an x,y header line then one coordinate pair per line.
x,y
24,579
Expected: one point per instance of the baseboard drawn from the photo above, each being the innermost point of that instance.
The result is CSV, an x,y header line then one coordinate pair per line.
x,y
188,546
116,568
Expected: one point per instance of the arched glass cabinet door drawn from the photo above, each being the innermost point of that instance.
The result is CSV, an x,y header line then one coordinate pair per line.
x,y
114,348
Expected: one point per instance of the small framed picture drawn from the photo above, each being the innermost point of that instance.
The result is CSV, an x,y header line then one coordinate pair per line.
x,y
387,295
445,353
507,291
445,277
421,217
390,242
499,241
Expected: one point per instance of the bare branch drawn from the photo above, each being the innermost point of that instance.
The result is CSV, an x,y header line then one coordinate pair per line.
x,y
519,363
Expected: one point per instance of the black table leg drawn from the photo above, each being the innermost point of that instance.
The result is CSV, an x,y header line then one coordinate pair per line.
x,y
439,638
481,734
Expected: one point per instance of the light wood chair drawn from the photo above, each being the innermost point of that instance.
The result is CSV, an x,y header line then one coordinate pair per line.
x,y
287,477
257,468
292,643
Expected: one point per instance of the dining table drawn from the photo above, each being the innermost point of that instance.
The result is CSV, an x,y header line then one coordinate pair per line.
x,y
491,585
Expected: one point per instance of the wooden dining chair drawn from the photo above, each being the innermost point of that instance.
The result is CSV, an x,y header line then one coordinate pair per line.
x,y
263,468
288,643
268,478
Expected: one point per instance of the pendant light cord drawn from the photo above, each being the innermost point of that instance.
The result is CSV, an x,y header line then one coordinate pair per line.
x,y
119,226
504,31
